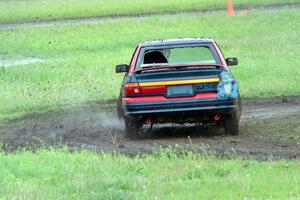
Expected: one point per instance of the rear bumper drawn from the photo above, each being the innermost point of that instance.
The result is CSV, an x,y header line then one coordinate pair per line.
x,y
208,105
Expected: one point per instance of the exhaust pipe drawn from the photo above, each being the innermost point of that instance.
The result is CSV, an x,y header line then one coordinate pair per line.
x,y
217,117
149,121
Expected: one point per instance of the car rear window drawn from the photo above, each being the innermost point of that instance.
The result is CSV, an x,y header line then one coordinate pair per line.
x,y
178,56
191,55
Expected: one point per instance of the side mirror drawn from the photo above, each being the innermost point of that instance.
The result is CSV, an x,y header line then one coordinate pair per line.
x,y
231,61
122,68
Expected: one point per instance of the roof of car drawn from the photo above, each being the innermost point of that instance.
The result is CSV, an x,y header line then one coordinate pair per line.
x,y
176,41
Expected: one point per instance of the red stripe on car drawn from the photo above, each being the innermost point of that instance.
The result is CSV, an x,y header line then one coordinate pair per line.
x,y
149,99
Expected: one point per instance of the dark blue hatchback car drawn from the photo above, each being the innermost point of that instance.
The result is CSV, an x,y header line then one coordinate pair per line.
x,y
179,81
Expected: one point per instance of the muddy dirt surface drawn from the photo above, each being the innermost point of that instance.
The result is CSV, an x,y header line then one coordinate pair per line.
x,y
270,129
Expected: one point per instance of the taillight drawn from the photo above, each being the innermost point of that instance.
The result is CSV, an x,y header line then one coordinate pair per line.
x,y
154,90
132,89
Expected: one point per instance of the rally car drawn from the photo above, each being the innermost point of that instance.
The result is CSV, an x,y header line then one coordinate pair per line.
x,y
179,81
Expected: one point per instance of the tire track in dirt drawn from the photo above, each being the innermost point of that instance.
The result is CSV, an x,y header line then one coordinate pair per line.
x,y
270,130
168,14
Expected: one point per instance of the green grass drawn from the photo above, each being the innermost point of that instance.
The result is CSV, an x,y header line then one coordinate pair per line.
x,y
62,175
79,59
25,10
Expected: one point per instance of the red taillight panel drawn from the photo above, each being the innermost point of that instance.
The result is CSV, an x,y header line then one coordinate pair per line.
x,y
154,90
132,89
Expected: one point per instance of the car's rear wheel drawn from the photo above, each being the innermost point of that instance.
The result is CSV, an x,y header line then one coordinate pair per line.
x,y
132,128
120,111
232,121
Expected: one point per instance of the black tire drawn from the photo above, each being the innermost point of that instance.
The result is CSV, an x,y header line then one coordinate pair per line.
x,y
120,111
132,128
240,107
232,121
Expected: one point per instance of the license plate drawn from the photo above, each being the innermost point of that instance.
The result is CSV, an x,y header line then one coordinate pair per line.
x,y
180,90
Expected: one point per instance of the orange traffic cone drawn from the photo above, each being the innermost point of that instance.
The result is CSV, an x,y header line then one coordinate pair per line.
x,y
230,11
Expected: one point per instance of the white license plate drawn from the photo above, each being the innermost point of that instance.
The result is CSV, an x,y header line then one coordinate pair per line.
x,y
180,90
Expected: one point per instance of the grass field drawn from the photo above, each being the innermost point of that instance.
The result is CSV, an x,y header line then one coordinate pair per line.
x,y
24,10
86,175
77,61
48,67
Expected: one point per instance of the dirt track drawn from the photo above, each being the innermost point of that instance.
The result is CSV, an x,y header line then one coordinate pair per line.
x,y
96,19
270,130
